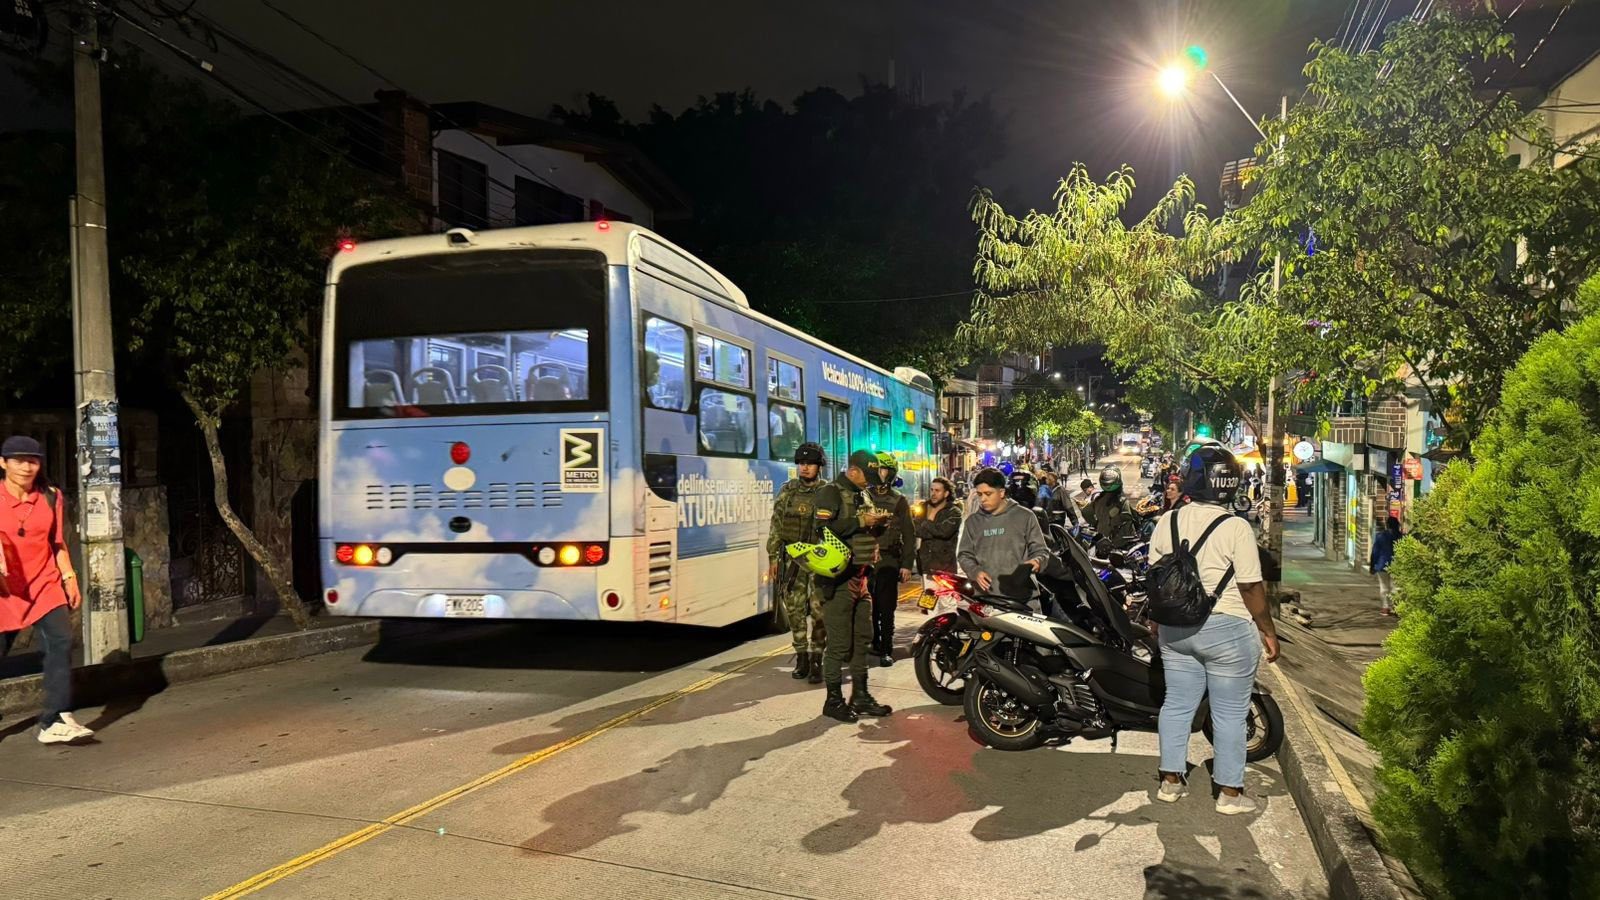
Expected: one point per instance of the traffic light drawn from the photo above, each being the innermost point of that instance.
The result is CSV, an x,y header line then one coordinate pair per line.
x,y
1196,55
1202,430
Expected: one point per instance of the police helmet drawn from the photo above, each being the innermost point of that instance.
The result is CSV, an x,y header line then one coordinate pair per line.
x,y
809,452
828,557
1211,474
1111,478
867,462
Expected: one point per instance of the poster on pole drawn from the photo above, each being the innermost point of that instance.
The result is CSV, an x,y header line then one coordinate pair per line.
x,y
99,445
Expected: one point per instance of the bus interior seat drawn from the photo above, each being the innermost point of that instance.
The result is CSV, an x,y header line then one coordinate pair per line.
x,y
490,384
548,388
382,388
433,386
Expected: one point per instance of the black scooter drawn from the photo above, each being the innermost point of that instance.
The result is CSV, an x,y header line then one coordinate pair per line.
x,y
1084,670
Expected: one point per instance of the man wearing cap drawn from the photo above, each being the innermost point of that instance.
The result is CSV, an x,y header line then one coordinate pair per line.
x,y
37,583
846,602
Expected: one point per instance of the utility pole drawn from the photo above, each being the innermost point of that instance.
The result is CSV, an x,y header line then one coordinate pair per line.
x,y
105,623
1273,528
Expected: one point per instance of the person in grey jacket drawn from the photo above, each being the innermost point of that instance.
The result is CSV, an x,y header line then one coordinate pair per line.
x,y
1000,537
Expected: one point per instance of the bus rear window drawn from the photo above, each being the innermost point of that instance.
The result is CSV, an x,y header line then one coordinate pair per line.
x,y
472,333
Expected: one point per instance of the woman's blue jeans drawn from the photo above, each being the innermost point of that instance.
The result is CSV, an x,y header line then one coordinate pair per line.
x,y
1219,656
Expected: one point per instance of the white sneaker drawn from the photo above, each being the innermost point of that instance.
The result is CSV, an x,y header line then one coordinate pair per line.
x,y
64,731
71,722
1233,806
1171,793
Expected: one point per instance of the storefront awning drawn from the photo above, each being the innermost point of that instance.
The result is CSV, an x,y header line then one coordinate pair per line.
x,y
1318,466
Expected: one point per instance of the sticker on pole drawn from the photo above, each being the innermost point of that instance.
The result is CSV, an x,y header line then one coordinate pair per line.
x,y
582,460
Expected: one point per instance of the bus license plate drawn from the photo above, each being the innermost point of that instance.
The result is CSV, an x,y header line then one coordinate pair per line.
x,y
463,607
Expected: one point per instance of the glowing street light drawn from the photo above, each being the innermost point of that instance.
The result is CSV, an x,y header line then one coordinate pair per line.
x,y
1173,81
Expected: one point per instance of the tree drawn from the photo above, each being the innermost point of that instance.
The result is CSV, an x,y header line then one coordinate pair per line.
x,y
1080,274
1485,709
842,215
222,229
1444,236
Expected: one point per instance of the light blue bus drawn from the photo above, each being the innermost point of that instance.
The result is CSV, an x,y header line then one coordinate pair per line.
x,y
572,422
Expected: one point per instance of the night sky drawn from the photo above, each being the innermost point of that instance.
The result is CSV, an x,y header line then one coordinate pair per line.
x,y
1073,76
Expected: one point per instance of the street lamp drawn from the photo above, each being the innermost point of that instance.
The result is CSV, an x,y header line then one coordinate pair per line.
x,y
1195,59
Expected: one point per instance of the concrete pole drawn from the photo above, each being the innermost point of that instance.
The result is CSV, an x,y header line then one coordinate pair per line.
x,y
105,621
1273,527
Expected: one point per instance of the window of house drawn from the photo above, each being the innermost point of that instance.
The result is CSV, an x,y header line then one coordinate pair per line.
x,y
463,191
727,422
784,381
665,376
538,203
721,361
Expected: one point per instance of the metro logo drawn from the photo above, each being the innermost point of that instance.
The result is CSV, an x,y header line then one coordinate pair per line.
x,y
582,460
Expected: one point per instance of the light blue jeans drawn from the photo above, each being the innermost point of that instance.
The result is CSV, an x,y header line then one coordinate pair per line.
x,y
1219,656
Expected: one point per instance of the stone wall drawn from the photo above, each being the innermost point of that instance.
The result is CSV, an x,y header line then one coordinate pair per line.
x,y
283,456
145,532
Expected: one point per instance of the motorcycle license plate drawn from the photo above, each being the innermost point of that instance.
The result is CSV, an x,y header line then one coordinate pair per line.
x,y
464,607
927,601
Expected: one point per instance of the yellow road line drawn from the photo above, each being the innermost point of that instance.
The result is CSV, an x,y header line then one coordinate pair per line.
x,y
1347,785
357,838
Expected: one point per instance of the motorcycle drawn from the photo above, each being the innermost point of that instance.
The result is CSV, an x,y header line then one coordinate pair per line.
x,y
941,644
1090,673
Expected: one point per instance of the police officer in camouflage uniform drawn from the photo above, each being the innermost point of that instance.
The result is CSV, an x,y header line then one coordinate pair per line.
x,y
846,602
897,549
794,520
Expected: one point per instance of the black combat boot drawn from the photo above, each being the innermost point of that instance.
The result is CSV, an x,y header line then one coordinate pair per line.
x,y
816,669
863,703
835,708
802,666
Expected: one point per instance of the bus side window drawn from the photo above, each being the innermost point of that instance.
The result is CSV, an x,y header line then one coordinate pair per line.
x,y
665,379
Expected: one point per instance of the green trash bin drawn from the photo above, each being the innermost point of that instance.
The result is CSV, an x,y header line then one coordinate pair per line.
x,y
135,587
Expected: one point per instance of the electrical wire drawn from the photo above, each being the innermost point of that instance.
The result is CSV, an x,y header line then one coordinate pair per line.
x,y
325,41
897,299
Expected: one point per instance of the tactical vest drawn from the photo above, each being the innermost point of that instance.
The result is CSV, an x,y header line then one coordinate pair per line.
x,y
863,543
797,511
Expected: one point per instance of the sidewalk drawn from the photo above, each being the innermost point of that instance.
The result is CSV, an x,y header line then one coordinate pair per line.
x,y
1326,660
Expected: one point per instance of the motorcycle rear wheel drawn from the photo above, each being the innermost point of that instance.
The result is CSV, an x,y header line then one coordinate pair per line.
x,y
997,719
931,653
1263,728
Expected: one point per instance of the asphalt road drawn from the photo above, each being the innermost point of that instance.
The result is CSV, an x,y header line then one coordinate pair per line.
x,y
595,762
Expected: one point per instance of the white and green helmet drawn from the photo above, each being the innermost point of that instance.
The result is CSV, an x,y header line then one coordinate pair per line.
x,y
828,557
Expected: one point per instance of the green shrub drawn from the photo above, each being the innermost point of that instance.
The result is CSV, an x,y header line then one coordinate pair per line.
x,y
1485,710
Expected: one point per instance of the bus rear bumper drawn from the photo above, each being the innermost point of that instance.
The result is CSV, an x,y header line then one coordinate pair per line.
x,y
523,604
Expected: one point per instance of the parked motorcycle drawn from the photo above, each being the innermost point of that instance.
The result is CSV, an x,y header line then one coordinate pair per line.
x,y
941,644
1090,672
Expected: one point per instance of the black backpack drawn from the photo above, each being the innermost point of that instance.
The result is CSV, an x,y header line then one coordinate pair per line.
x,y
1177,596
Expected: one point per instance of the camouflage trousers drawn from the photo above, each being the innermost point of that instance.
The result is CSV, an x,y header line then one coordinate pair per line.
x,y
803,608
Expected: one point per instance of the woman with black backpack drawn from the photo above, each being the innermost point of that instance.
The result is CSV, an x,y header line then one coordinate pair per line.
x,y
1207,596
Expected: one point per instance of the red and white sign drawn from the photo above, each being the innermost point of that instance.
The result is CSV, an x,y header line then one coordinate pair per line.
x,y
1413,469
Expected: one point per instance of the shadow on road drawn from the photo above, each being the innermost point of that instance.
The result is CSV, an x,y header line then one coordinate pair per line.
x,y
580,646
685,782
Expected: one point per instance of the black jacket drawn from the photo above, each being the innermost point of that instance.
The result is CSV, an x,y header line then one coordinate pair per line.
x,y
937,552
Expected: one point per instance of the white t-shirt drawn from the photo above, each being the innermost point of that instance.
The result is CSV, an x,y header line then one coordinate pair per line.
x,y
1233,542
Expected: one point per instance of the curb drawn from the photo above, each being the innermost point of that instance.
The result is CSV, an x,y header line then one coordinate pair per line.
x,y
1349,856
96,685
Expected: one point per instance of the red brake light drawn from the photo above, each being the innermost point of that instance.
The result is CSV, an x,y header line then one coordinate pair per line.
x,y
613,600
603,225
460,453
978,609
593,554
333,596
345,554
944,581
346,245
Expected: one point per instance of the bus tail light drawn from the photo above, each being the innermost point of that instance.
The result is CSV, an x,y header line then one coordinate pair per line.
x,y
569,555
460,453
333,596
613,600
564,555
363,555
593,554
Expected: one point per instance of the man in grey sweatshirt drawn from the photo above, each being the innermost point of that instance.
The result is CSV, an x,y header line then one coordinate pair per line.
x,y
1000,537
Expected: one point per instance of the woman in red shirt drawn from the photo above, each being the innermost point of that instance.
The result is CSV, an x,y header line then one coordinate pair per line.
x,y
38,586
